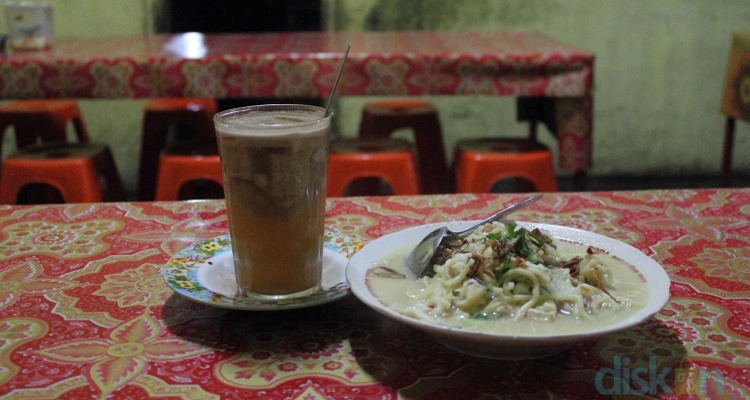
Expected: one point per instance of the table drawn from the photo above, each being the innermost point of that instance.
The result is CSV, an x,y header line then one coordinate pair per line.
x,y
85,312
552,80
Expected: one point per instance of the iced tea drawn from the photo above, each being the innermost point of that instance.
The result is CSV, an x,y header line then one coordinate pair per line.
x,y
274,161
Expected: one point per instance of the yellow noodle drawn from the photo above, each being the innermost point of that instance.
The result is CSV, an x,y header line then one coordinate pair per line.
x,y
526,290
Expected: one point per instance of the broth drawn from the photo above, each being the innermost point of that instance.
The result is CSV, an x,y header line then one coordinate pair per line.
x,y
630,290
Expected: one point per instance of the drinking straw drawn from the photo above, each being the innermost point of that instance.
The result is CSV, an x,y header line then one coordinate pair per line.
x,y
336,82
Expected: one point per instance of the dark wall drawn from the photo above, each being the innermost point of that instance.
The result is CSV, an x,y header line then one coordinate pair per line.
x,y
232,16
236,16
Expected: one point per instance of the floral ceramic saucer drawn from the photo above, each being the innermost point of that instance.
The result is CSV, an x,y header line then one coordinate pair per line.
x,y
204,272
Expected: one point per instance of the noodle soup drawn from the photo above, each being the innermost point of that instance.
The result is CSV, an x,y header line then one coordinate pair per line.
x,y
441,301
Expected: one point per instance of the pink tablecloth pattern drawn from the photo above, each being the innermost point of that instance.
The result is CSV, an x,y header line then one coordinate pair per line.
x,y
304,65
300,65
85,312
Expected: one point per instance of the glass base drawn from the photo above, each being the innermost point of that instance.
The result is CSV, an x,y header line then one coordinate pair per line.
x,y
278,297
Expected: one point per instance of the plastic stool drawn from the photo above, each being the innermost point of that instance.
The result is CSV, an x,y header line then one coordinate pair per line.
x,y
160,115
480,163
391,160
176,170
37,121
75,169
382,118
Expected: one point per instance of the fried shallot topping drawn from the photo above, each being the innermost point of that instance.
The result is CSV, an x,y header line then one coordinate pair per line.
x,y
547,240
456,243
501,249
477,265
572,265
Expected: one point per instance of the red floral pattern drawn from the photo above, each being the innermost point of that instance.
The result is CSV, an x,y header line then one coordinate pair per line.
x,y
102,322
528,64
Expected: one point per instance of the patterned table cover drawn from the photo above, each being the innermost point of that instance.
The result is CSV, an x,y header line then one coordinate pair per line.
x,y
85,312
292,65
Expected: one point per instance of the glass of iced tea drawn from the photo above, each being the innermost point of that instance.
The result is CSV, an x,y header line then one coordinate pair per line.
x,y
274,160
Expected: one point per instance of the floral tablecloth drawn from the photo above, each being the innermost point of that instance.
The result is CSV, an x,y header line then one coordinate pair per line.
x,y
86,313
292,65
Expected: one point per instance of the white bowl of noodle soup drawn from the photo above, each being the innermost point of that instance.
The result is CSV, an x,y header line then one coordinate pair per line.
x,y
505,338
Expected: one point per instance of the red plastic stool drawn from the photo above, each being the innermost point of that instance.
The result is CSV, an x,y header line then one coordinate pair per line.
x,y
176,170
391,160
160,115
76,170
382,118
480,163
37,121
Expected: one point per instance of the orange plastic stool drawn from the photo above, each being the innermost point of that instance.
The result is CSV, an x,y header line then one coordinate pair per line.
x,y
195,114
74,169
37,121
382,118
391,160
176,170
40,121
480,163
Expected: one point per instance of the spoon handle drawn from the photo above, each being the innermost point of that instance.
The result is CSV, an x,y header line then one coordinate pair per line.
x,y
499,215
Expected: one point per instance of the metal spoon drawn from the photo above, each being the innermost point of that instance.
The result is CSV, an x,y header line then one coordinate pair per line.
x,y
419,258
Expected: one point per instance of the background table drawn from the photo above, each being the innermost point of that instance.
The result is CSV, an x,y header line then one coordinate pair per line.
x,y
735,101
552,80
85,312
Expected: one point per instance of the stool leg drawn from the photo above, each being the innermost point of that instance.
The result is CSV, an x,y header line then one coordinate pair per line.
x,y
466,176
7,194
82,131
168,184
337,180
726,163
431,158
151,146
533,129
112,177
433,168
408,184
87,187
580,179
545,178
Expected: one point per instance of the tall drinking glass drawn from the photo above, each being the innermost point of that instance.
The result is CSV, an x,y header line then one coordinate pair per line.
x,y
274,160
